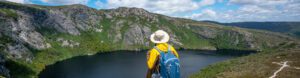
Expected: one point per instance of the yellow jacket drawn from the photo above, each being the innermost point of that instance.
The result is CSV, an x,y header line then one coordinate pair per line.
x,y
153,54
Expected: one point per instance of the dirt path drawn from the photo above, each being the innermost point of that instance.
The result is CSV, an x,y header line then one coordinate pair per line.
x,y
283,65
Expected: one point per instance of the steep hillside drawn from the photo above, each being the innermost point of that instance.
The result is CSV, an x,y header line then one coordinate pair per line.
x,y
34,36
290,28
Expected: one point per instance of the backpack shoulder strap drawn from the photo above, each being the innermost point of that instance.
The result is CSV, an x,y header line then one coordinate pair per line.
x,y
169,48
158,49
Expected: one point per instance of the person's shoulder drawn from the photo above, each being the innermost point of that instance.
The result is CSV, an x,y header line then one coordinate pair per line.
x,y
153,50
171,46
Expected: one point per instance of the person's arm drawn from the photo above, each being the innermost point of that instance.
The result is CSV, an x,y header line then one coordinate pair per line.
x,y
151,59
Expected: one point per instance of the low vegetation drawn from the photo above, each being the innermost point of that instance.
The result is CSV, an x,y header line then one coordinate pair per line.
x,y
9,13
260,65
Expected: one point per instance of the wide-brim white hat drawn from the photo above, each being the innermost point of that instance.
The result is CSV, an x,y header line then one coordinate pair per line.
x,y
159,36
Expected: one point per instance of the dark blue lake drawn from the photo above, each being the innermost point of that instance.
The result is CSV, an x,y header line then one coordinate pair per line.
x,y
125,64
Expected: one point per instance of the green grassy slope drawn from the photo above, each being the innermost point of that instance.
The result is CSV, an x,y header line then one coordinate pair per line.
x,y
260,65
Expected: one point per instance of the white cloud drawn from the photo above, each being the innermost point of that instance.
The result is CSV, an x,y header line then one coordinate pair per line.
x,y
100,4
254,10
207,14
126,3
259,2
210,13
17,1
65,2
168,7
174,6
207,2
293,8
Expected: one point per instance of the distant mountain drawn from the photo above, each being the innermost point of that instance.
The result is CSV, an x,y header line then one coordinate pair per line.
x,y
33,36
290,28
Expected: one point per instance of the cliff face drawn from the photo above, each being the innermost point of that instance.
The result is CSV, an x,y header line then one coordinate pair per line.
x,y
31,32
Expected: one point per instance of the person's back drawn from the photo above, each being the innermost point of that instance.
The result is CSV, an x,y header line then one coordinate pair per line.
x,y
162,60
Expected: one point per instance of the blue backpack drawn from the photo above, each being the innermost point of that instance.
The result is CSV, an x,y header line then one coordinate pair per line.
x,y
168,64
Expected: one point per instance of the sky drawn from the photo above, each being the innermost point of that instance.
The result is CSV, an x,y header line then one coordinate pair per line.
x,y
213,10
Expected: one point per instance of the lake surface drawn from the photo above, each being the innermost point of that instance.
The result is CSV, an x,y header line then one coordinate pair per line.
x,y
125,65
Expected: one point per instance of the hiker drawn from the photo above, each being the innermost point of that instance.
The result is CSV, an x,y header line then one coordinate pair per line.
x,y
162,60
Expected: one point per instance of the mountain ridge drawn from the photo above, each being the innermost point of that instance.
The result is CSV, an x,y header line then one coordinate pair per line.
x,y
290,28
